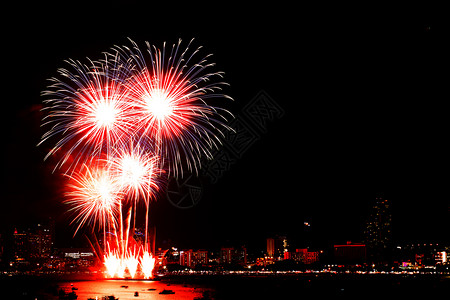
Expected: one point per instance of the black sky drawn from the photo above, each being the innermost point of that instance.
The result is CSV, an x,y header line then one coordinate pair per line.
x,y
363,90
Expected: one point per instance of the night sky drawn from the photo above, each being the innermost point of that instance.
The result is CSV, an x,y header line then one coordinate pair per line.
x,y
363,93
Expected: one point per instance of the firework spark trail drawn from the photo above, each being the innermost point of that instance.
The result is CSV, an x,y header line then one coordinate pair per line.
x,y
132,261
138,174
124,257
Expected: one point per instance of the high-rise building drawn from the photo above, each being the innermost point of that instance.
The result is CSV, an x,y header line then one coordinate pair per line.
x,y
190,258
350,253
40,242
271,247
20,246
378,230
201,257
226,255
277,246
233,256
33,244
303,256
186,258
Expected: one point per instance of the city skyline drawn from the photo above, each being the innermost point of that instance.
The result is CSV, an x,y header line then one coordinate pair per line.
x,y
375,232
34,248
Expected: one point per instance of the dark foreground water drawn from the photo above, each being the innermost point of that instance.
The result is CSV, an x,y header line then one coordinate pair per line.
x,y
234,287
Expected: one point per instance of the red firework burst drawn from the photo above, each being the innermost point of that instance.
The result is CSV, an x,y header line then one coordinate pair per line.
x,y
90,108
136,171
94,195
169,94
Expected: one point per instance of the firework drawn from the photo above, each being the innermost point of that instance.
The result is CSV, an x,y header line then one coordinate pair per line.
x,y
147,264
133,263
94,196
119,124
87,107
170,92
136,170
99,194
159,99
112,263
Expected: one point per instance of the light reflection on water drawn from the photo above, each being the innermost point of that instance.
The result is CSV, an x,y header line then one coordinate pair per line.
x,y
232,287
100,288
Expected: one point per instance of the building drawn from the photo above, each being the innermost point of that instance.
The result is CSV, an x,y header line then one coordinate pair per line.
x,y
233,256
32,245
172,256
378,231
40,242
277,246
190,258
201,257
76,253
20,246
441,257
350,253
271,247
186,258
303,256
421,254
75,258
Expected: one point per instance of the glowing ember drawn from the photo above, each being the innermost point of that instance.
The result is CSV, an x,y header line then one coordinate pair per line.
x,y
131,263
147,265
112,263
137,263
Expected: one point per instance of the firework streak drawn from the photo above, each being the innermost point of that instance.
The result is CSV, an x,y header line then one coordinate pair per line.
x,y
120,125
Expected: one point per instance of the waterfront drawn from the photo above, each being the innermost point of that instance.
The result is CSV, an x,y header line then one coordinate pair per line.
x,y
234,287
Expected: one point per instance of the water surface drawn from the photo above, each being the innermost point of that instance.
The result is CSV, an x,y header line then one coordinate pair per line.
x,y
125,289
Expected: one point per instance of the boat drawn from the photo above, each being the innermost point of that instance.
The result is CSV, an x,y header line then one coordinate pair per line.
x,y
109,298
69,296
166,292
124,286
151,289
